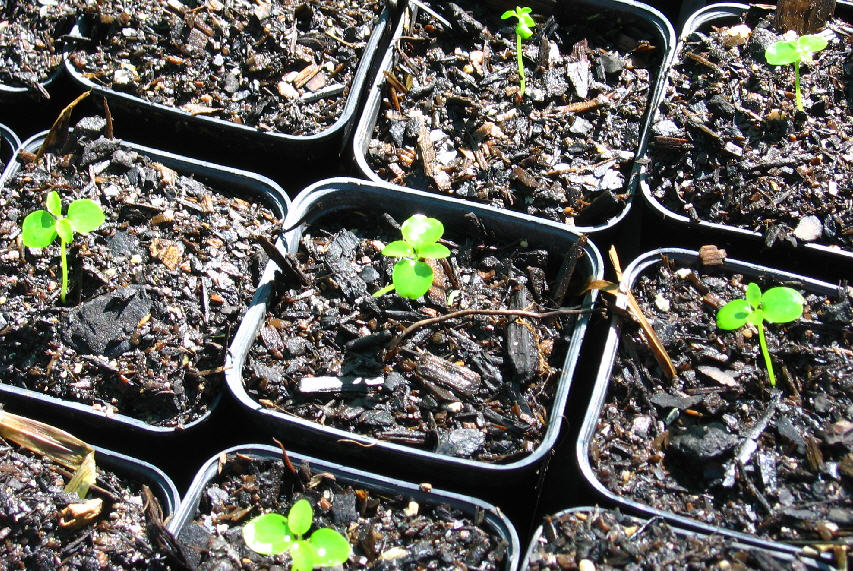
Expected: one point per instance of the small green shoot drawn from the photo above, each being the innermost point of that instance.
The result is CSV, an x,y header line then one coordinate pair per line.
x,y
412,276
796,51
40,228
776,305
523,31
272,534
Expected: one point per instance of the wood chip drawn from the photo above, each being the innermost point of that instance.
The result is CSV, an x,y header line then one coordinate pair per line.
x,y
711,255
305,75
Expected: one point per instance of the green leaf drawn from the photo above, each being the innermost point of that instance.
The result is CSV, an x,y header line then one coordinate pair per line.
x,y
85,215
419,230
38,229
525,25
398,249
303,557
268,534
781,53
434,251
300,516
65,230
53,203
753,295
331,547
412,278
733,315
782,304
84,477
811,43
507,14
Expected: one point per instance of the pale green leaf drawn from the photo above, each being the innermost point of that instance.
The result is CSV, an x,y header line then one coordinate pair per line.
x,y
420,230
782,304
733,315
300,516
412,278
38,229
753,295
781,53
434,251
812,43
331,547
53,203
303,557
756,317
268,534
398,249
84,477
85,215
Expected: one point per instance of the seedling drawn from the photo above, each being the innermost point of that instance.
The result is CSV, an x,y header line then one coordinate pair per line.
x,y
40,228
412,276
523,30
795,51
272,534
776,305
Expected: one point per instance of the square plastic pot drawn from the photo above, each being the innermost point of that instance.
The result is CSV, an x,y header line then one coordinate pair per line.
x,y
725,14
229,180
379,484
214,132
639,14
602,386
472,476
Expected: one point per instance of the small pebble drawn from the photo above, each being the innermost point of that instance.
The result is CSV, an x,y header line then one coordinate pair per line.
x,y
809,229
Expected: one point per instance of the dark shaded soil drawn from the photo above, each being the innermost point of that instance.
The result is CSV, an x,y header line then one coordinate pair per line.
x,y
730,147
30,41
280,67
611,540
677,446
478,387
457,127
31,499
154,293
386,530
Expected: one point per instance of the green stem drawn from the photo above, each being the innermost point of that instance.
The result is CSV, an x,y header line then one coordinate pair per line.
x,y
520,63
64,261
763,342
797,91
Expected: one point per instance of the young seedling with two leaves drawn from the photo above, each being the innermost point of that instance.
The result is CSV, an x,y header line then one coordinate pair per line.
x,y
40,228
523,31
412,276
273,534
776,305
795,52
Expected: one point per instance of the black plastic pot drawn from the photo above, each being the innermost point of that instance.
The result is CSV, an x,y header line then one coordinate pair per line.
x,y
253,186
9,145
339,196
602,382
642,15
493,517
144,473
214,133
719,15
782,559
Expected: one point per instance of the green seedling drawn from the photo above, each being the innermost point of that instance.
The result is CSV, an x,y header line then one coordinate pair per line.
x,y
412,276
523,31
40,228
795,52
776,305
272,534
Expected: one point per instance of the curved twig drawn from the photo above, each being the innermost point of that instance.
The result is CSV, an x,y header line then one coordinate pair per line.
x,y
465,312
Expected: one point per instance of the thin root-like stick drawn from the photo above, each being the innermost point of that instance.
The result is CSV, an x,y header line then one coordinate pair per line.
x,y
466,312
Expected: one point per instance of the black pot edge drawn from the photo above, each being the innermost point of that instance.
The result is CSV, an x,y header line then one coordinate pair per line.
x,y
14,142
658,21
789,557
698,19
268,190
496,519
253,318
599,394
145,473
214,124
